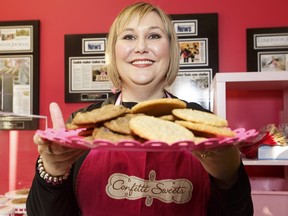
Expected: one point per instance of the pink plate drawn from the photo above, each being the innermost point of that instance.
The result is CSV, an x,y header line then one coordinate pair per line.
x,y
70,138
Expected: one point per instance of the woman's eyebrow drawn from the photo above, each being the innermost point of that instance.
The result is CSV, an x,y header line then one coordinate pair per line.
x,y
150,28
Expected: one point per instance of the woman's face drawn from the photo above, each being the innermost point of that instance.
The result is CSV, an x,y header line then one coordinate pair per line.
x,y
142,52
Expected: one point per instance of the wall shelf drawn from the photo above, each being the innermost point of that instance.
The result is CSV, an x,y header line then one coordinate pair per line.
x,y
250,81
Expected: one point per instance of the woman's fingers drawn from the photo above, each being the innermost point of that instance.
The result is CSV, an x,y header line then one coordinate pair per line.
x,y
57,159
56,116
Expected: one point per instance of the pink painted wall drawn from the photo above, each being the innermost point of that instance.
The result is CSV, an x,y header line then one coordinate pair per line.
x,y
87,16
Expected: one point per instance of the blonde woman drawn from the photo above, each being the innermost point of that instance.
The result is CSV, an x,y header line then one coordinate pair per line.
x,y
143,59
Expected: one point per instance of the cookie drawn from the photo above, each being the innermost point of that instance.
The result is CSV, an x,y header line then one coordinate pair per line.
x,y
151,128
104,133
121,123
72,126
207,130
158,107
101,114
168,117
197,116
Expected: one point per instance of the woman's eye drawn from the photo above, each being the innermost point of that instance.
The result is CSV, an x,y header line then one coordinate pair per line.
x,y
155,36
128,37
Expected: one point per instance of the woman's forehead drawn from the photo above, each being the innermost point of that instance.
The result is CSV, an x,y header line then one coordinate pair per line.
x,y
137,19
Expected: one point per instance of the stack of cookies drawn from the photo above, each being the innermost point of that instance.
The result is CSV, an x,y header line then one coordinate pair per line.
x,y
167,120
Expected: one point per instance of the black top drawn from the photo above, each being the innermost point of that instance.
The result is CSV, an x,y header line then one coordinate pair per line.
x,y
52,200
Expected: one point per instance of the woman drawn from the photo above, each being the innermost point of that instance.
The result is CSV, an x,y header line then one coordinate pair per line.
x,y
143,59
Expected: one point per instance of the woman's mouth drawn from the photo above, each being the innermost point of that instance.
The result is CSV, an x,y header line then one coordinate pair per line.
x,y
142,62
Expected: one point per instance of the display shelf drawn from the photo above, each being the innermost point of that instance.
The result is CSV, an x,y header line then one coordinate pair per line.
x,y
246,81
250,81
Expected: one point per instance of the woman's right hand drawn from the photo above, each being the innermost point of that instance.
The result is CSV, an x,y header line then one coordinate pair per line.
x,y
57,159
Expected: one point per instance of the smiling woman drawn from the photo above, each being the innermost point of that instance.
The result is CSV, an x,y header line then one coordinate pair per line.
x,y
143,56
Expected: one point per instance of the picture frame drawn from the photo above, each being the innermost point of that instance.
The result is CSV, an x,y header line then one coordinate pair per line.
x,y
267,49
200,30
193,52
19,74
85,63
272,61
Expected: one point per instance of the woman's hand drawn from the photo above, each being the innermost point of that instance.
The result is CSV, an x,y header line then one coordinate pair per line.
x,y
56,159
221,163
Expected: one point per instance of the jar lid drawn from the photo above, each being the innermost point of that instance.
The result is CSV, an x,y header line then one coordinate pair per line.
x,y
7,210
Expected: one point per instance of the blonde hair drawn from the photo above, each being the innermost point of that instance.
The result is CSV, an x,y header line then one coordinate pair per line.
x,y
141,9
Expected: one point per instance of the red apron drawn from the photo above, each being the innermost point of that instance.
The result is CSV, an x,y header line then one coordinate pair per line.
x,y
142,183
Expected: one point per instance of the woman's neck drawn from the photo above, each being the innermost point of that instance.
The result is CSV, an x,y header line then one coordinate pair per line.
x,y
141,94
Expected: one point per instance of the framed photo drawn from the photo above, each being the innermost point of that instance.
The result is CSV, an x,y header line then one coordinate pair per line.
x,y
267,49
193,52
19,75
272,61
198,40
193,85
86,78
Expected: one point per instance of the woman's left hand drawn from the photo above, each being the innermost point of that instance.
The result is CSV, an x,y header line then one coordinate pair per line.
x,y
221,163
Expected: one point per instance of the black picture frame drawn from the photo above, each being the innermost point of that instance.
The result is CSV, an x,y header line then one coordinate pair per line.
x,y
198,32
85,54
267,49
19,74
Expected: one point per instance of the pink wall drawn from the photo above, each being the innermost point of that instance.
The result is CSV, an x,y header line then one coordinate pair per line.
x,y
87,16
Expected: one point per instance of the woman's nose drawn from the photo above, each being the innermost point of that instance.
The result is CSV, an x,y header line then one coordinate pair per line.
x,y
141,46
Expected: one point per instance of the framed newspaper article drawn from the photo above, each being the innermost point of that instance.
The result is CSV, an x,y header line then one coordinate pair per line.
x,y
193,85
19,75
267,49
86,78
